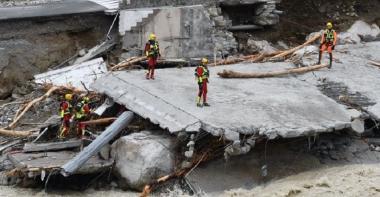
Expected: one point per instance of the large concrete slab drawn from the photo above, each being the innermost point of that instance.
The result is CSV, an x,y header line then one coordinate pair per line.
x,y
64,7
273,107
76,75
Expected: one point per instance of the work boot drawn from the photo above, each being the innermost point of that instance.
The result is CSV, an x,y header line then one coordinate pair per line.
x,y
319,58
331,59
199,105
206,104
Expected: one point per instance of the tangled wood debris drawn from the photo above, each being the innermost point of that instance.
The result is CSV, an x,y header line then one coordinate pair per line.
x,y
234,74
128,62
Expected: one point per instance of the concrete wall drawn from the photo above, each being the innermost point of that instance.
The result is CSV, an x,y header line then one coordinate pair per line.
x,y
183,32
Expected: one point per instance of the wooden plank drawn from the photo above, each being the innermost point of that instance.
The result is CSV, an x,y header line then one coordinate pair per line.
x,y
37,147
37,162
2,148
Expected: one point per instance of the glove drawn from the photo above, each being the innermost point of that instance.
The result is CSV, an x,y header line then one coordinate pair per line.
x,y
333,47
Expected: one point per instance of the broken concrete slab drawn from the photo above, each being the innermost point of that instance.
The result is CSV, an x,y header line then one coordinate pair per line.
x,y
96,51
52,146
352,70
276,107
75,75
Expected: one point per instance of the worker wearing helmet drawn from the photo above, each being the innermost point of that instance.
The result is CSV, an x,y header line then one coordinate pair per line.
x,y
152,52
82,112
201,75
328,42
65,111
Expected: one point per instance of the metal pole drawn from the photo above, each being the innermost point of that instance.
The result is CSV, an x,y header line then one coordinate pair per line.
x,y
73,165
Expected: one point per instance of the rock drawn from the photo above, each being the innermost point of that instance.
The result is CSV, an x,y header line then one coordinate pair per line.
x,y
104,153
257,46
141,158
357,125
219,21
311,35
348,38
282,45
365,31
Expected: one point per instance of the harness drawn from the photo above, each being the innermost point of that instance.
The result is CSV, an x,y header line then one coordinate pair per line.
x,y
329,36
202,74
80,113
154,48
67,111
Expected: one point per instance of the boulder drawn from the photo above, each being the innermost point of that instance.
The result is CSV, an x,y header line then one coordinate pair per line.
x,y
141,158
365,31
259,46
348,38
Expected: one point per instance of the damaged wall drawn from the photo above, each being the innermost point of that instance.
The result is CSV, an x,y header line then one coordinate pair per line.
x,y
30,46
201,30
183,32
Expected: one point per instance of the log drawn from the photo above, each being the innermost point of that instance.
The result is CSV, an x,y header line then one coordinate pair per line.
x,y
374,63
30,104
99,121
74,164
291,51
233,74
123,65
13,133
53,146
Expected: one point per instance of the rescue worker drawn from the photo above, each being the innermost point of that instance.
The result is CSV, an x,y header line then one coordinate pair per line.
x,y
65,114
152,52
82,112
328,42
201,75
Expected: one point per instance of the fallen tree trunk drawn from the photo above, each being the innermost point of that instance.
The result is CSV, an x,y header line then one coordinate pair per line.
x,y
128,63
30,104
233,74
99,121
291,51
74,164
13,133
374,63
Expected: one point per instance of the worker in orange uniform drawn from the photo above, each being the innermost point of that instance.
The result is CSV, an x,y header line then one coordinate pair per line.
x,y
82,112
328,42
201,75
65,114
152,52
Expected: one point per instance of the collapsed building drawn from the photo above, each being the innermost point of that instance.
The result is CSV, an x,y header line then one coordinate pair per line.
x,y
243,113
192,29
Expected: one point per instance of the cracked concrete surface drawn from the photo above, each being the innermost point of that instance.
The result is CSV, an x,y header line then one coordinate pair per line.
x,y
273,107
351,68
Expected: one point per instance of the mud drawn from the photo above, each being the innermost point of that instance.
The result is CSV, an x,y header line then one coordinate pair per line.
x,y
31,46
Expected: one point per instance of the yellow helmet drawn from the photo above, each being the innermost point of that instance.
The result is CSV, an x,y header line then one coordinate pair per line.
x,y
329,25
152,36
204,61
86,99
68,97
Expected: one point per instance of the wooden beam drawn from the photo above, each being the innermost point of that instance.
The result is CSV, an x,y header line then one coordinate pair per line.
x,y
233,74
53,146
103,121
13,133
